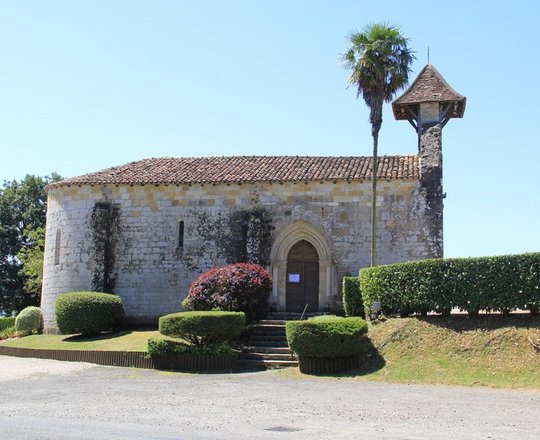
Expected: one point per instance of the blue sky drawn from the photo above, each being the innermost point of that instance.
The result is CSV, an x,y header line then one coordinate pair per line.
x,y
85,85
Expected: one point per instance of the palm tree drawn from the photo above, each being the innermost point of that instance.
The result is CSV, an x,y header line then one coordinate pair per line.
x,y
380,60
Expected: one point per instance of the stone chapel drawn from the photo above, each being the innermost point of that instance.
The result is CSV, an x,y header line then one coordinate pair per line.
x,y
147,229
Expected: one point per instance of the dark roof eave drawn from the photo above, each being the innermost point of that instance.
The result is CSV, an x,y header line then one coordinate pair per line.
x,y
224,182
403,115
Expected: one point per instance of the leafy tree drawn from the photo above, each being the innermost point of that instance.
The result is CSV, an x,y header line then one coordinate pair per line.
x,y
31,258
22,222
380,60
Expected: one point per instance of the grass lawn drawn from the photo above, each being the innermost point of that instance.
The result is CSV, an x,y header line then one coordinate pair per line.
x,y
121,341
487,351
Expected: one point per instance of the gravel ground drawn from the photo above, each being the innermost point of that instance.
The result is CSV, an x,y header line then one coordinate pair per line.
x,y
44,399
12,368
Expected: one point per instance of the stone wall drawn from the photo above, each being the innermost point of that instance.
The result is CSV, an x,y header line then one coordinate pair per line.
x,y
222,224
431,170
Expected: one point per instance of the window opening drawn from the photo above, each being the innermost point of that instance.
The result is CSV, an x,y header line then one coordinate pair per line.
x,y
57,247
181,233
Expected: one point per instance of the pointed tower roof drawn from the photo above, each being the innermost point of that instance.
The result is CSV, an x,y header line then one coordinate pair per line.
x,y
429,86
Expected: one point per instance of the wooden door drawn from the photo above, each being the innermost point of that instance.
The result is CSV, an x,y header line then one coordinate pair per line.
x,y
302,278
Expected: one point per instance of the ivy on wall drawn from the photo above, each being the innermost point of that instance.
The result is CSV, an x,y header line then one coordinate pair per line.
x,y
105,232
243,236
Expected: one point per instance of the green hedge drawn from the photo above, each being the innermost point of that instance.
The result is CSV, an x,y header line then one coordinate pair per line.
x,y
326,336
88,313
501,283
28,321
352,297
8,332
6,323
203,327
166,347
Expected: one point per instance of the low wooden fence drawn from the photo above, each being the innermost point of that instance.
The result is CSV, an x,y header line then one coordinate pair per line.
x,y
312,365
136,359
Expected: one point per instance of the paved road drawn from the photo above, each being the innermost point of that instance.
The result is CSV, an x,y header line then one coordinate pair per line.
x,y
43,399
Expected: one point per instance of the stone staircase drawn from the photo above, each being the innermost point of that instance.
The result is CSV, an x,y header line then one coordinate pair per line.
x,y
267,346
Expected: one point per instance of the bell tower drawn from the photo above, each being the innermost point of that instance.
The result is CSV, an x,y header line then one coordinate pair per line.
x,y
429,101
428,104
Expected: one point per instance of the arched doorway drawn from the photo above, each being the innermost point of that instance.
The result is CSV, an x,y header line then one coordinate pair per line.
x,y
285,239
302,278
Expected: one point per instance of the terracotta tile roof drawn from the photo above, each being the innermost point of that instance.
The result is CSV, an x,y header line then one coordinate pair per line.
x,y
239,169
429,86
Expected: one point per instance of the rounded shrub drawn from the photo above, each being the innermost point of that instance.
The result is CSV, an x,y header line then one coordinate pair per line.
x,y
203,327
28,321
327,336
239,287
88,313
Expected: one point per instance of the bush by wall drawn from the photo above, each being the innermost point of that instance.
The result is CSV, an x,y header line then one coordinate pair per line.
x,y
352,297
88,313
240,287
7,322
174,355
8,332
203,327
501,283
28,321
7,327
326,336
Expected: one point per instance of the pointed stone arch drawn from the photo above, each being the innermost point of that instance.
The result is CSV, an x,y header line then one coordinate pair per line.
x,y
285,239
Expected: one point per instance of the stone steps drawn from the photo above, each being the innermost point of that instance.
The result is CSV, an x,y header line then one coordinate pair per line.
x,y
272,322
268,338
269,350
267,347
289,316
262,343
269,330
269,356
263,364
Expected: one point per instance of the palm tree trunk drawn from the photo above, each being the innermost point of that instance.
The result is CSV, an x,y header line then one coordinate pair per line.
x,y
375,134
375,118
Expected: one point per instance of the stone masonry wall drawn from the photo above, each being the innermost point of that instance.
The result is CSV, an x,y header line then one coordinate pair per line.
x,y
152,273
431,170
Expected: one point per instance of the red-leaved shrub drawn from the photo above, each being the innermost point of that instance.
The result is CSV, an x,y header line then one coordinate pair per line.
x,y
240,287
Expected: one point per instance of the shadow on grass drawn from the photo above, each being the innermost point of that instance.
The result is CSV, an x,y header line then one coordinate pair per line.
x,y
100,337
370,361
463,323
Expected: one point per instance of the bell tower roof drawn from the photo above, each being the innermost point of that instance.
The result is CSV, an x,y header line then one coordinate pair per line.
x,y
429,86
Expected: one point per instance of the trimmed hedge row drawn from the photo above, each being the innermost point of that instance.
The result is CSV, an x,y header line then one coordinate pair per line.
x,y
88,313
166,347
501,283
203,327
6,323
352,297
326,336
